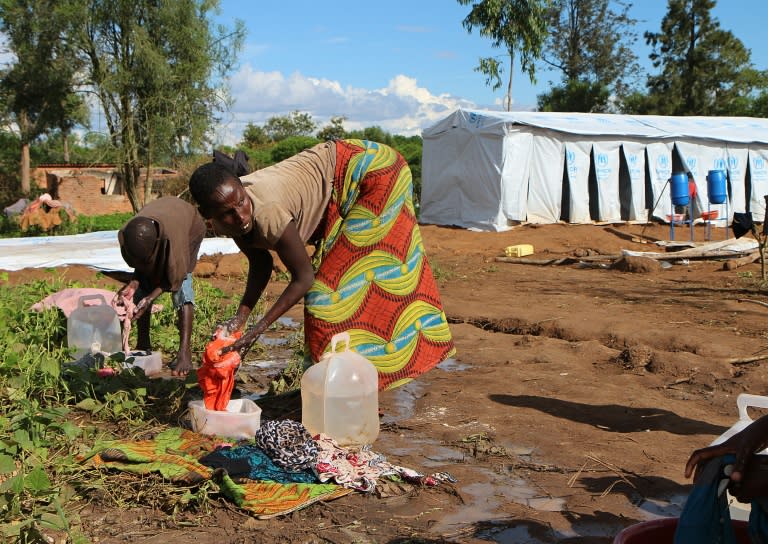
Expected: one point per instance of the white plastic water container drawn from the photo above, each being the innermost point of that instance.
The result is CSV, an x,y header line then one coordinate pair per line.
x,y
151,362
340,396
241,419
740,510
94,323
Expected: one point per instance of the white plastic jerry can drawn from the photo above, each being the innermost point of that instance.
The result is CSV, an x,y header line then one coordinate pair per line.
x,y
340,396
93,324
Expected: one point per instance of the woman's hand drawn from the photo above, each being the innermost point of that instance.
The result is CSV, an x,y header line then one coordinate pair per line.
x,y
230,326
245,342
744,445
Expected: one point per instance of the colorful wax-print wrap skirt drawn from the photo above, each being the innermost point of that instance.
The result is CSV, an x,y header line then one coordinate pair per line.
x,y
372,278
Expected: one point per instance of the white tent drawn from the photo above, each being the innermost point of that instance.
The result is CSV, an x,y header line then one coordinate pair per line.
x,y
490,169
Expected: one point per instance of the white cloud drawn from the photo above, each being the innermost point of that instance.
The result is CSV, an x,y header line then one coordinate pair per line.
x,y
402,107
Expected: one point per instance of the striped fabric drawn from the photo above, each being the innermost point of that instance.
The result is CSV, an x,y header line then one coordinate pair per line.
x,y
372,276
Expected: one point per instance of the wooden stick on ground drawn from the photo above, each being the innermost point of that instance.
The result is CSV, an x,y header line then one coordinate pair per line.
x,y
733,264
753,301
747,360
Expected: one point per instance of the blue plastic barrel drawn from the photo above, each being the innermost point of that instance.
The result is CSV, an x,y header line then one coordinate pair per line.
x,y
679,187
716,186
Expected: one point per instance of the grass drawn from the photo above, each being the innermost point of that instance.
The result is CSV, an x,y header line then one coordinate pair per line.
x,y
50,412
9,227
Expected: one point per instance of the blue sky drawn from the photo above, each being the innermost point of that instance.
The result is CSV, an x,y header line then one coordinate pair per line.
x,y
398,64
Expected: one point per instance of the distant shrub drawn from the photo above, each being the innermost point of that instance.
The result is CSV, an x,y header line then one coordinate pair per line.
x,y
292,145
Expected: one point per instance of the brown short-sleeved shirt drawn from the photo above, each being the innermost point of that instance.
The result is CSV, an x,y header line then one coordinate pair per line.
x,y
181,232
297,189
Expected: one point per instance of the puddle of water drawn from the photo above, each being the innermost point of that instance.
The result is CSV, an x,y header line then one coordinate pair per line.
x,y
255,396
486,497
404,402
581,529
521,493
482,506
663,508
511,535
433,454
266,363
274,341
288,322
452,365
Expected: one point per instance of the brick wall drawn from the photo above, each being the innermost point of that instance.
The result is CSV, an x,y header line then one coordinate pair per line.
x,y
85,191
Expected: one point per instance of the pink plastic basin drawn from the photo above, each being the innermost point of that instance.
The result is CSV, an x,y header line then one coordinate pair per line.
x,y
662,531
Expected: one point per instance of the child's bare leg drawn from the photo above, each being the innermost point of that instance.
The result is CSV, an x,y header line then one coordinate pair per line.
x,y
183,363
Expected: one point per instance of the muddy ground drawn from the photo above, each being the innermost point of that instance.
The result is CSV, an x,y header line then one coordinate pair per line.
x,y
568,414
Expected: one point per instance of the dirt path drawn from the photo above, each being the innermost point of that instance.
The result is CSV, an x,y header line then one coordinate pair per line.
x,y
568,414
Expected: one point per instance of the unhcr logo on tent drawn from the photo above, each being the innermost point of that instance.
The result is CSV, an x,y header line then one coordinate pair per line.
x,y
602,168
691,162
570,160
733,163
718,164
759,172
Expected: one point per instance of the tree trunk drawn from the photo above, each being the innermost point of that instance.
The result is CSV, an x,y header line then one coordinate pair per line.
x,y
25,183
509,83
148,177
66,147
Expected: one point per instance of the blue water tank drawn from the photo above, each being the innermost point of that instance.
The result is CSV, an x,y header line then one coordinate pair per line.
x,y
716,186
679,187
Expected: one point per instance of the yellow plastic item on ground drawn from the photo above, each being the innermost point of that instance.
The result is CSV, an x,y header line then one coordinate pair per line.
x,y
520,250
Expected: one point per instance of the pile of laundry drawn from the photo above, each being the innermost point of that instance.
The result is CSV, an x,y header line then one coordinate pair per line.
x,y
42,212
282,469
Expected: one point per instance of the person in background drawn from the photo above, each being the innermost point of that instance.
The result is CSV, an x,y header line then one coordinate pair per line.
x,y
368,275
734,465
161,244
749,475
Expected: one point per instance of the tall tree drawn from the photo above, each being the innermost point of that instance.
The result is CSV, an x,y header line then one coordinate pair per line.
x,y
334,130
704,70
38,86
590,42
254,135
157,69
518,27
295,123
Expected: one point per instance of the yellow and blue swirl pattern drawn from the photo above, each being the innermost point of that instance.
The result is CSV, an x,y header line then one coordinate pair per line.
x,y
373,279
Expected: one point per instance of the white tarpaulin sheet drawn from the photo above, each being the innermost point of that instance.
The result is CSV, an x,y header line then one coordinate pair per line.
x,y
700,159
758,168
606,157
660,166
99,250
634,155
737,172
545,187
577,165
515,171
485,169
471,190
727,129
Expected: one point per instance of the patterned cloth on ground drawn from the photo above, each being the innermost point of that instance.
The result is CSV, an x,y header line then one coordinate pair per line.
x,y
706,517
373,279
250,461
288,443
174,453
361,470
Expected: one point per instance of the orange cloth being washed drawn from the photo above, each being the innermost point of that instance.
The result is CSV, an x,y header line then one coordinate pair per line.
x,y
216,376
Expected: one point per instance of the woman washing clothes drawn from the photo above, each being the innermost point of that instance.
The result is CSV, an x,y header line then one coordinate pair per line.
x,y
353,200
